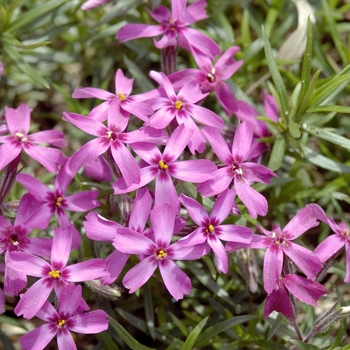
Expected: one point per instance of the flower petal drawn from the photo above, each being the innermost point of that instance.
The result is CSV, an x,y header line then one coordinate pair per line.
x,y
98,228
162,220
86,270
82,201
38,338
273,263
176,281
92,322
90,92
196,211
219,252
223,205
140,274
329,247
134,31
242,141
18,119
8,152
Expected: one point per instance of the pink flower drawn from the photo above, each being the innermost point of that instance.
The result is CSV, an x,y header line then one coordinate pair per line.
x,y
90,4
18,121
305,290
158,253
183,108
332,244
163,167
117,105
212,76
54,275
174,26
279,243
60,322
236,169
211,230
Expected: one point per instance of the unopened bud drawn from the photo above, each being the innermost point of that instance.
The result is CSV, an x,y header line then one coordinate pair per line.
x,y
111,291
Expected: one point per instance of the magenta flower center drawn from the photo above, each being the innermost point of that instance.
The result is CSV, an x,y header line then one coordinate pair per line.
x,y
55,274
61,323
14,240
161,253
178,104
121,96
279,239
211,75
162,165
21,137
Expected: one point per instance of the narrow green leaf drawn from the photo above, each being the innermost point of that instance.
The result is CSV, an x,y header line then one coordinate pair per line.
x,y
277,154
332,108
191,339
25,67
305,102
212,331
304,346
5,341
14,42
126,336
333,86
275,326
179,324
334,32
276,76
324,162
270,21
149,310
294,129
245,30
33,14
141,79
306,68
328,136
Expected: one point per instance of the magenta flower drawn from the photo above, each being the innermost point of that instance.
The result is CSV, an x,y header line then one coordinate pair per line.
x,y
331,245
236,169
112,138
54,275
2,295
90,4
183,108
305,290
174,26
60,322
164,166
56,202
211,77
18,121
210,229
279,242
1,68
117,105
158,253
100,229
15,238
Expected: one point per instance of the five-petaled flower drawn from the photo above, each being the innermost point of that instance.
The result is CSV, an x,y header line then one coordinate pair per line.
x,y
18,121
174,26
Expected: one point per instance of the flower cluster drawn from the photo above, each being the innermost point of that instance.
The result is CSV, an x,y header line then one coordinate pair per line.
x,y
176,140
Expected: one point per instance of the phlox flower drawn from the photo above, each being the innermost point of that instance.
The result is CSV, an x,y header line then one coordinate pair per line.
x,y
211,77
90,4
163,167
237,169
157,253
100,229
331,245
174,26
279,242
183,108
60,322
55,201
54,275
18,121
15,238
120,104
112,138
211,230
305,290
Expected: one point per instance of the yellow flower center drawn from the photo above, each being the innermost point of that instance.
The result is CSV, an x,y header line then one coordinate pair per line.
x,y
55,274
178,104
161,253
20,136
61,323
162,165
58,201
121,96
210,229
211,75
109,135
346,232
